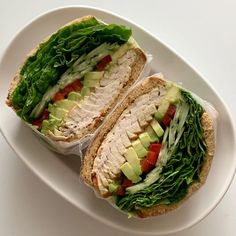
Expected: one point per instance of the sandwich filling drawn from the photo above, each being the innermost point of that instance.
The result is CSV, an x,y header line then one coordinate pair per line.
x,y
74,77
154,152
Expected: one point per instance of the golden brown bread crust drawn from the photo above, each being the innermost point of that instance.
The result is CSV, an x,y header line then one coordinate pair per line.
x,y
143,88
16,78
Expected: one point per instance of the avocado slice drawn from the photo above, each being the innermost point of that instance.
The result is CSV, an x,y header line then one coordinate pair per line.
x,y
74,96
113,187
54,120
173,95
129,172
145,139
58,112
91,83
45,127
161,111
152,134
65,104
85,91
50,124
133,160
91,79
157,128
139,148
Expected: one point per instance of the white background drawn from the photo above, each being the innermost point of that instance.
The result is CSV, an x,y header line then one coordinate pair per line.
x,y
203,32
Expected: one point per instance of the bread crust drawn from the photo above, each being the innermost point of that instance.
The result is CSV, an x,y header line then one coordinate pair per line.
x,y
145,87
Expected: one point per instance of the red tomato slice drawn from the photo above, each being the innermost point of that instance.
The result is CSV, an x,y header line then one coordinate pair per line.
x,y
58,96
103,63
171,110
151,158
121,191
155,147
37,123
146,166
77,85
44,116
166,120
127,183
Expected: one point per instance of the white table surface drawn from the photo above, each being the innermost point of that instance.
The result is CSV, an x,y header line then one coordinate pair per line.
x,y
203,32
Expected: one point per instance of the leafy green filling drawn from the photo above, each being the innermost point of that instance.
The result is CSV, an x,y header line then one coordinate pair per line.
x,y
56,55
181,170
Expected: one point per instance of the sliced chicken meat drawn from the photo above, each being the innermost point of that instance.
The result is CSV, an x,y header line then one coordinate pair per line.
x,y
94,105
130,124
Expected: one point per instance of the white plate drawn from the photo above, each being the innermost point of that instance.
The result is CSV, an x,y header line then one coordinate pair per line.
x,y
61,173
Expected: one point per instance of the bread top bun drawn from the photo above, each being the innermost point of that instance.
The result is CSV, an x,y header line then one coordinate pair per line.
x,y
145,87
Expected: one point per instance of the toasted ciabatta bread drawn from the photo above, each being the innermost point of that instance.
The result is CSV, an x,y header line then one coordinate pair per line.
x,y
103,166
95,97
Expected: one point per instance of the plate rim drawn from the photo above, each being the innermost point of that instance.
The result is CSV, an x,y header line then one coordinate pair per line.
x,y
59,191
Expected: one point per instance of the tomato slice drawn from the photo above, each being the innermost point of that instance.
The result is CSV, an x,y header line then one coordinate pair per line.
x,y
155,147
166,120
77,85
121,191
60,95
171,110
44,116
103,63
127,183
151,158
146,166
37,123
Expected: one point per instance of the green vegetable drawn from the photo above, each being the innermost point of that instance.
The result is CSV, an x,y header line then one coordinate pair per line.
x,y
56,55
80,68
181,169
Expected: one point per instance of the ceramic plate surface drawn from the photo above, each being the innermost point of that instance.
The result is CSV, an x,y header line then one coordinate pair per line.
x,y
61,173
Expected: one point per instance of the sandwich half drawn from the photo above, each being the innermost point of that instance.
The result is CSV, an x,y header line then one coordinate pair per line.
x,y
154,151
72,80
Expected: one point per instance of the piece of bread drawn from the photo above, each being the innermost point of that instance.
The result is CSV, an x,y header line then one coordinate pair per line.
x,y
136,69
145,87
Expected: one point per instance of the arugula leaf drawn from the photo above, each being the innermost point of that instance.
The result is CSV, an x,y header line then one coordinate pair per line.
x,y
56,55
181,170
